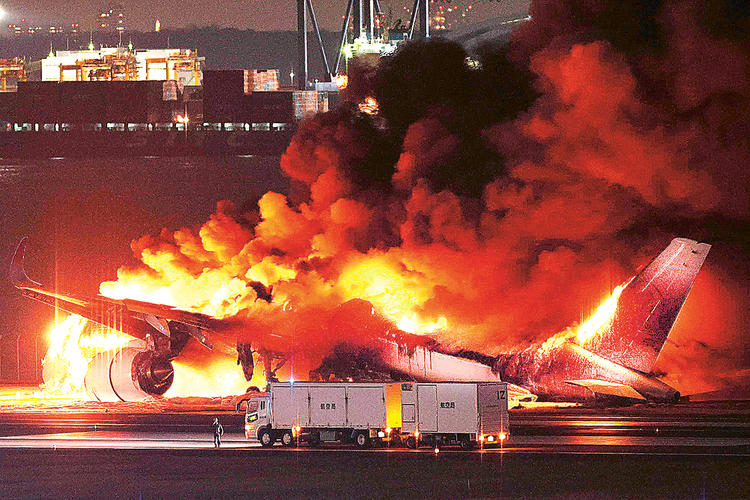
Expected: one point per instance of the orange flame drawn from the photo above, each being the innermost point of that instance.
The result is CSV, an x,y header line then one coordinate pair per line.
x,y
369,106
221,378
342,81
603,313
65,364
587,329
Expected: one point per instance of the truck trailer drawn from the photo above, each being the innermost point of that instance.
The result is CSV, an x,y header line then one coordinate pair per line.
x,y
434,414
463,413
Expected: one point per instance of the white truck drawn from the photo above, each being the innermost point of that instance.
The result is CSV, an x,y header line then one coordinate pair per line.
x,y
433,414
316,412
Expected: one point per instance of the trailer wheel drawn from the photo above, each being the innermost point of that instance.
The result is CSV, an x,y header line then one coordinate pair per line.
x,y
362,440
466,444
314,441
265,438
287,439
411,442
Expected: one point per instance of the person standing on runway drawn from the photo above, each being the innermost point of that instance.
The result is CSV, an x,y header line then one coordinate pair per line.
x,y
218,432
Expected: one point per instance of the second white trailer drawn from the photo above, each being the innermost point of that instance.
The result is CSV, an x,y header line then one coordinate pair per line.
x,y
468,414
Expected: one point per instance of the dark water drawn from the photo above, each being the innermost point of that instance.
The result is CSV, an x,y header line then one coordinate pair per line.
x,y
82,214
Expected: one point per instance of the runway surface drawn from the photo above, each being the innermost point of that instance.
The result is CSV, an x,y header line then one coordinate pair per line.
x,y
116,451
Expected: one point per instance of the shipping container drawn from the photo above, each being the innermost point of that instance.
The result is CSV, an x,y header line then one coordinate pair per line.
x,y
261,80
39,102
309,102
223,95
269,107
126,102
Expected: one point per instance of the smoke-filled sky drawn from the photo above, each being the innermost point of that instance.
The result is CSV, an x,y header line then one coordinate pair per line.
x,y
494,205
252,14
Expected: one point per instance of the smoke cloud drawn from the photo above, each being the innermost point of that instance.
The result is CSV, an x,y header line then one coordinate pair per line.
x,y
493,202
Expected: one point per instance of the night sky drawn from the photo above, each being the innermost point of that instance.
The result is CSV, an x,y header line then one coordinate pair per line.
x,y
252,14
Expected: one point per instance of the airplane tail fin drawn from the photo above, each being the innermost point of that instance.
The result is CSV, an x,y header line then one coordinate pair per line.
x,y
16,272
648,307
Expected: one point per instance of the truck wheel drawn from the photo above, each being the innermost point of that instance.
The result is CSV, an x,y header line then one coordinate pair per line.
x,y
411,442
265,438
362,440
466,444
287,439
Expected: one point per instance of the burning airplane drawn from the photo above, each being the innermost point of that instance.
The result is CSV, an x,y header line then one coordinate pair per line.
x,y
611,354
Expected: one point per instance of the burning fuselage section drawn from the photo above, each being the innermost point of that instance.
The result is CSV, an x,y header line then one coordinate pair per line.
x,y
617,356
569,372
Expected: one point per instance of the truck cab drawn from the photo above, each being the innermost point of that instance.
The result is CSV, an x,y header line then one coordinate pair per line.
x,y
257,416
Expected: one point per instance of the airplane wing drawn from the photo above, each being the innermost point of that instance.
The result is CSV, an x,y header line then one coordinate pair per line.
x,y
166,330
132,317
609,388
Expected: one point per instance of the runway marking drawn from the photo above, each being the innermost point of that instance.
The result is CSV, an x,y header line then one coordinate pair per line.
x,y
566,445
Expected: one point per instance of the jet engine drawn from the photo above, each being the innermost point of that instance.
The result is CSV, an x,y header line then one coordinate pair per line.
x,y
128,374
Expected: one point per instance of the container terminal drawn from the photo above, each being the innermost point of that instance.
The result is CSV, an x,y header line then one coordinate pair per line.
x,y
116,101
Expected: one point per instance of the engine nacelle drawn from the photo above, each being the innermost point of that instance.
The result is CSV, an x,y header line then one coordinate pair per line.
x,y
129,374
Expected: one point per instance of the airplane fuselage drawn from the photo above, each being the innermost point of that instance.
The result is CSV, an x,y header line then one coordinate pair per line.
x,y
568,372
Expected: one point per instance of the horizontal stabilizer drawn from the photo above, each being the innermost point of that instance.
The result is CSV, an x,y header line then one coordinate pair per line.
x,y
608,388
518,393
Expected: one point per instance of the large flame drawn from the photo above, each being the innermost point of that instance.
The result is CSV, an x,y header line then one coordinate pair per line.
x,y
603,314
459,206
70,351
220,378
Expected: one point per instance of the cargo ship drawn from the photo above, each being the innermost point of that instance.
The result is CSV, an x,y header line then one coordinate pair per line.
x,y
114,106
